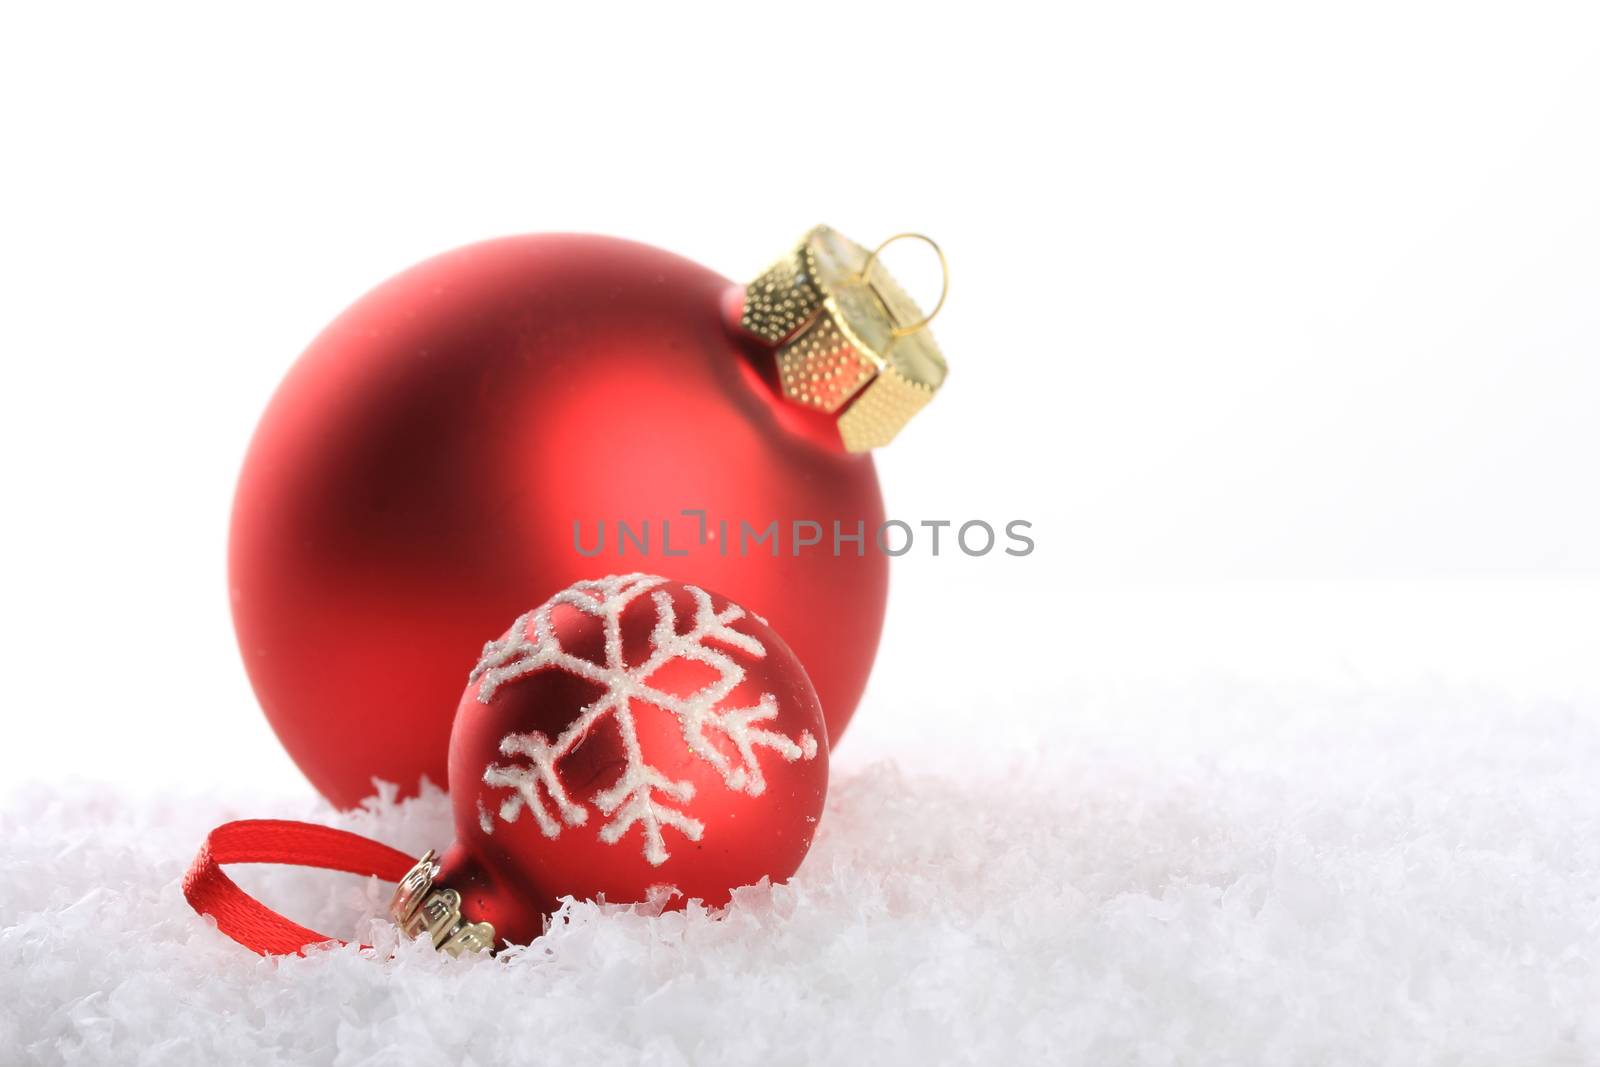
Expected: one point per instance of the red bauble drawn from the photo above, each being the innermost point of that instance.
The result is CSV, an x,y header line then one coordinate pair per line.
x,y
416,481
630,736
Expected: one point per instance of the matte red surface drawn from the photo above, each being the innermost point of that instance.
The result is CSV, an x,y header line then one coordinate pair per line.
x,y
413,485
515,875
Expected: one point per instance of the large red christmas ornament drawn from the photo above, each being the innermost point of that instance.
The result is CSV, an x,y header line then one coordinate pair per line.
x,y
456,442
631,737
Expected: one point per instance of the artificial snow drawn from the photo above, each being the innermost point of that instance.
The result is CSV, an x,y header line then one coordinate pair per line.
x,y
1219,874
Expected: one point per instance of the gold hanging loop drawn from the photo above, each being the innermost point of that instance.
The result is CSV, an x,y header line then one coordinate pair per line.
x,y
944,269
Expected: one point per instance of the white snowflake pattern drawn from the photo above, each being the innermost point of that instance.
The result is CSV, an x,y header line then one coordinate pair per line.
x,y
642,794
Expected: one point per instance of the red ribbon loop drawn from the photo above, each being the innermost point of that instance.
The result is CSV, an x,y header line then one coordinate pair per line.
x,y
248,921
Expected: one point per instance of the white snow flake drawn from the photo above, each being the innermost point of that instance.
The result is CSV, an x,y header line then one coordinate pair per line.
x,y
642,794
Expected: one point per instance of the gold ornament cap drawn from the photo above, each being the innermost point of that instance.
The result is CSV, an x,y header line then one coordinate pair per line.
x,y
421,908
850,341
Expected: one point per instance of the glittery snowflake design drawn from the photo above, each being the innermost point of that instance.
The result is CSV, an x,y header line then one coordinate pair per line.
x,y
641,795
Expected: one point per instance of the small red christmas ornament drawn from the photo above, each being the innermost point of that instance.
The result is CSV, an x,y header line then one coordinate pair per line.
x,y
631,734
632,739
453,444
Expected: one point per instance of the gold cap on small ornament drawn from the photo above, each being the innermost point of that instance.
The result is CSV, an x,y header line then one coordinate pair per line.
x,y
850,340
419,907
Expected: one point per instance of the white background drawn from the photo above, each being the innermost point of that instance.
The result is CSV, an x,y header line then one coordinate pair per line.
x,y
1282,325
